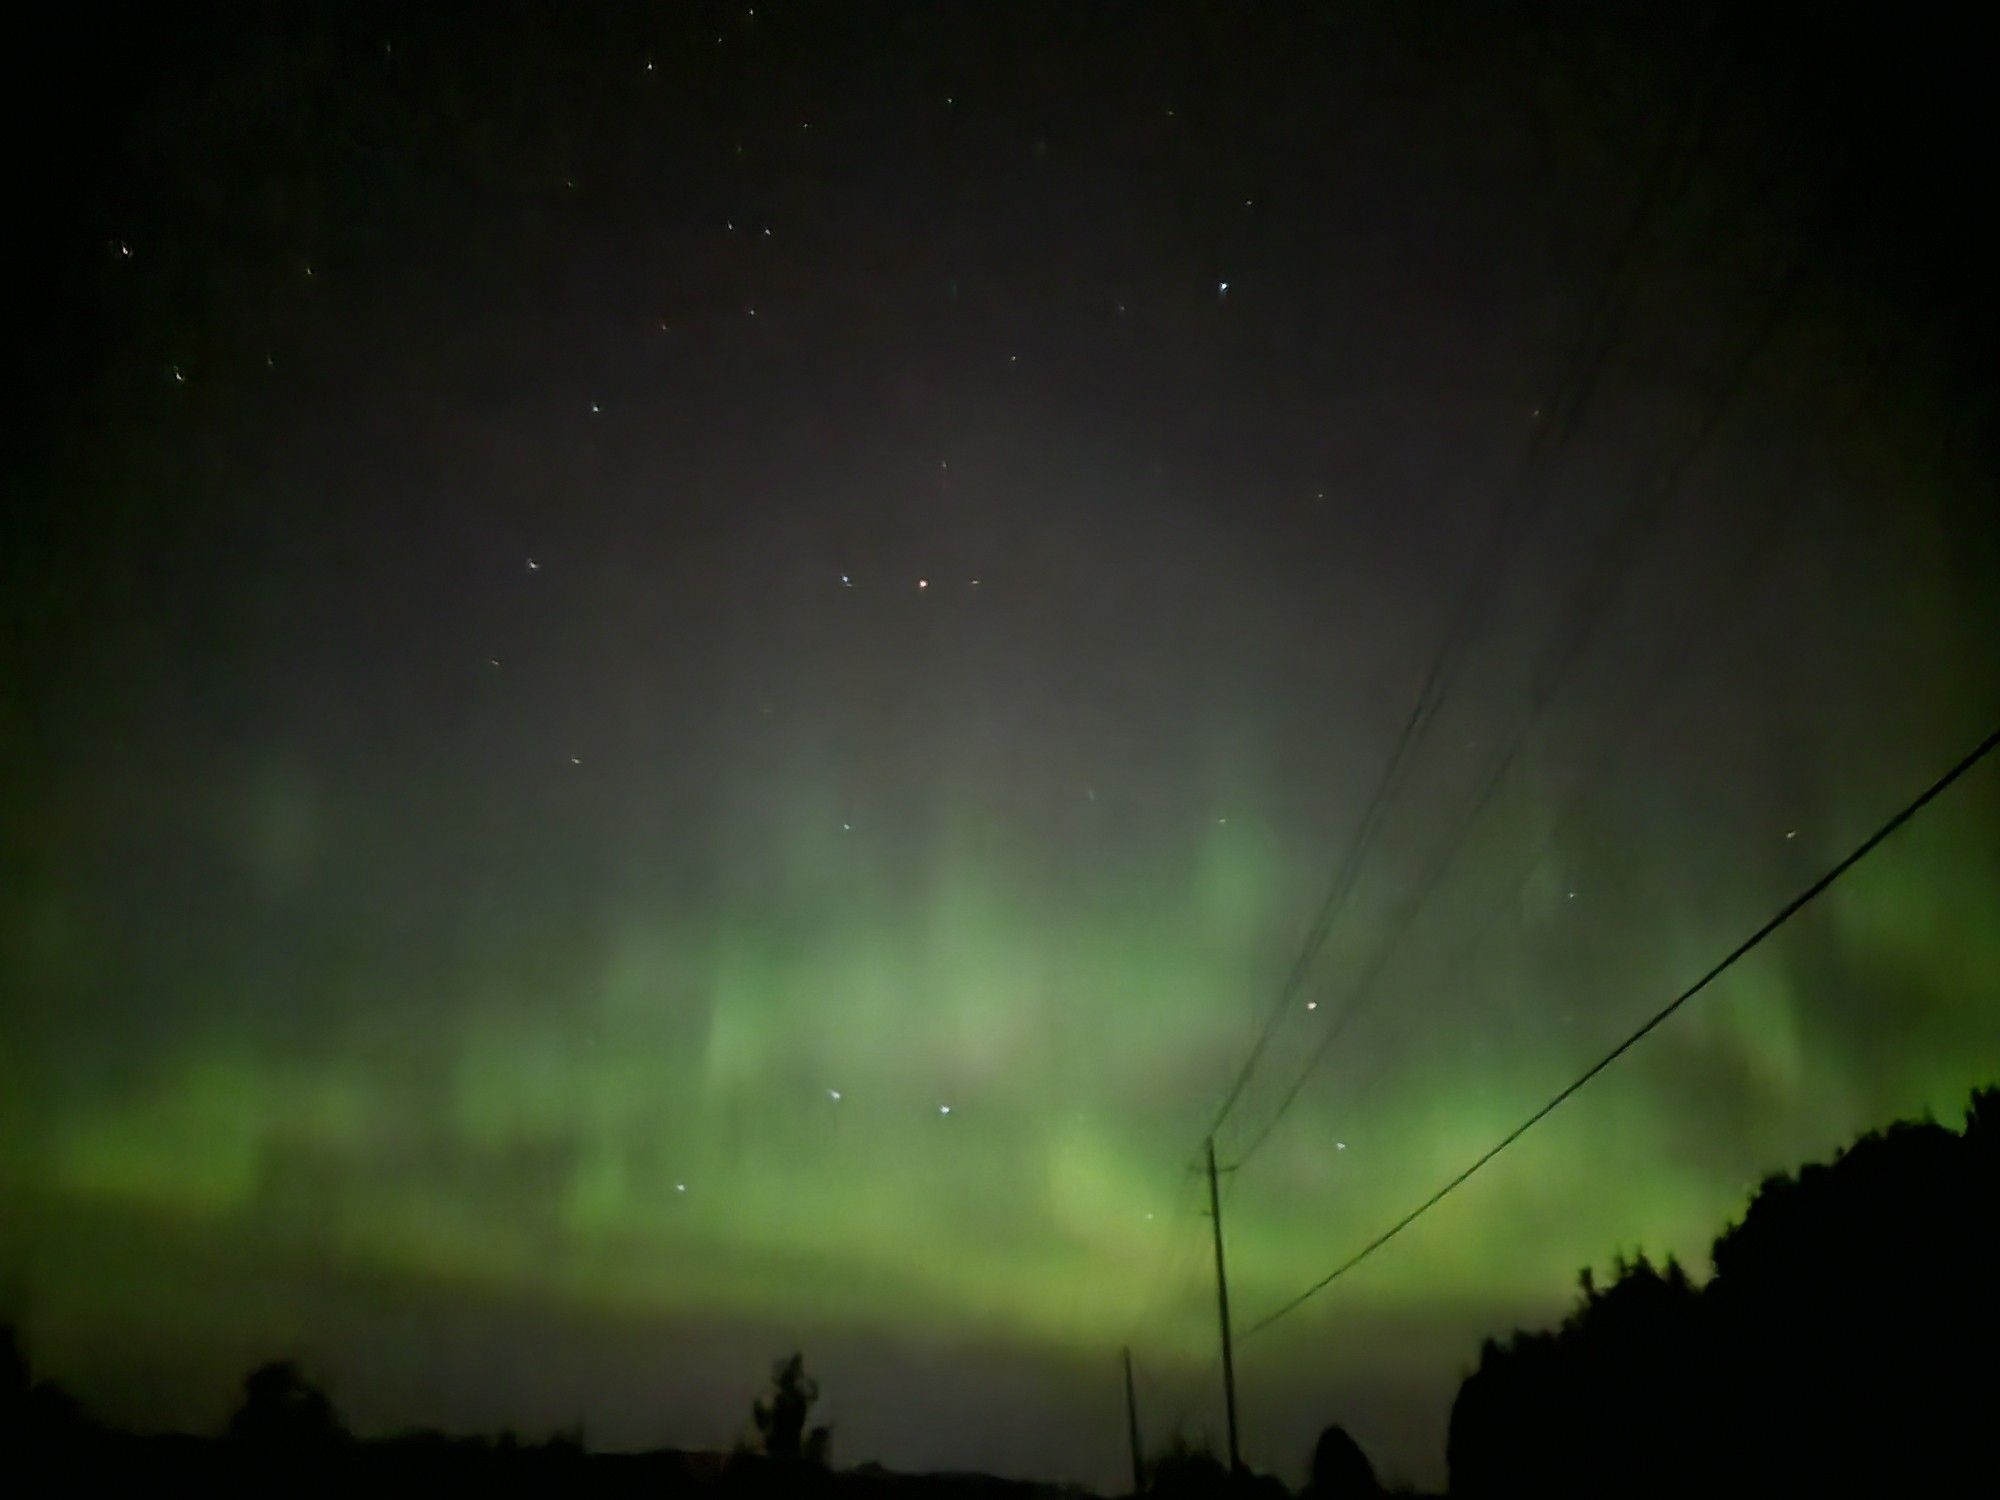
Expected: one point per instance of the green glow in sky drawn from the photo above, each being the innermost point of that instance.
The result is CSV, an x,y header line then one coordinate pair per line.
x,y
740,1112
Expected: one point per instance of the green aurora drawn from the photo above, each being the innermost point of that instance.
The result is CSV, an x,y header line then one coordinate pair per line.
x,y
516,895
741,1115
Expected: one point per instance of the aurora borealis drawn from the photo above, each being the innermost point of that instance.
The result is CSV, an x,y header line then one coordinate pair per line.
x,y
678,684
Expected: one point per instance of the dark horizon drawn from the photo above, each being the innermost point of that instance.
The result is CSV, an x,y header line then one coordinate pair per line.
x,y
683,683
1791,1368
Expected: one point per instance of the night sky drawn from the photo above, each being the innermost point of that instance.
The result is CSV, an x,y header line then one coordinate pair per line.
x,y
678,681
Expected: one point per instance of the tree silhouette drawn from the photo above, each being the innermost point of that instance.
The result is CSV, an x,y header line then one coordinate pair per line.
x,y
781,1421
1340,1470
1186,1471
283,1411
1847,1340
14,1378
33,1412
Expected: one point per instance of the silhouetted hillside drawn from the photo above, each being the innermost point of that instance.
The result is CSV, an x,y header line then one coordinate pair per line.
x,y
1848,1341
1845,1344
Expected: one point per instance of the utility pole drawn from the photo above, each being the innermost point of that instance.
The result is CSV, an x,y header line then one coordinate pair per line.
x,y
1132,1428
1222,1305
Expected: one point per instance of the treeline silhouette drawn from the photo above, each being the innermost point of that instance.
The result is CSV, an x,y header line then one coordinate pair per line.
x,y
1847,1343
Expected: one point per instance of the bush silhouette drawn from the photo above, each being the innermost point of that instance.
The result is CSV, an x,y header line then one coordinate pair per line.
x,y
781,1421
1186,1471
1846,1340
1340,1470
284,1412
33,1413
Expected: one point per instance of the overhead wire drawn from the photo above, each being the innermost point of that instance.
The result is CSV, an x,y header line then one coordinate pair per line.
x,y
1580,620
1169,1266
1783,915
1571,396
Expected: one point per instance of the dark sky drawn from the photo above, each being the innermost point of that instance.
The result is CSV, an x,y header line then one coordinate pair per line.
x,y
677,681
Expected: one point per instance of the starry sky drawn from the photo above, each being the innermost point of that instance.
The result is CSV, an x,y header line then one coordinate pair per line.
x,y
678,681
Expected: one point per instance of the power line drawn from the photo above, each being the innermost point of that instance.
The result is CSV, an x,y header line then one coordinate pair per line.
x,y
1784,914
1168,1272
1581,618
1570,397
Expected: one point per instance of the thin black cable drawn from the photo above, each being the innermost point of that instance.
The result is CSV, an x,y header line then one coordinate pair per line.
x,y
1784,914
1570,398
1581,618
1645,691
1169,1265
